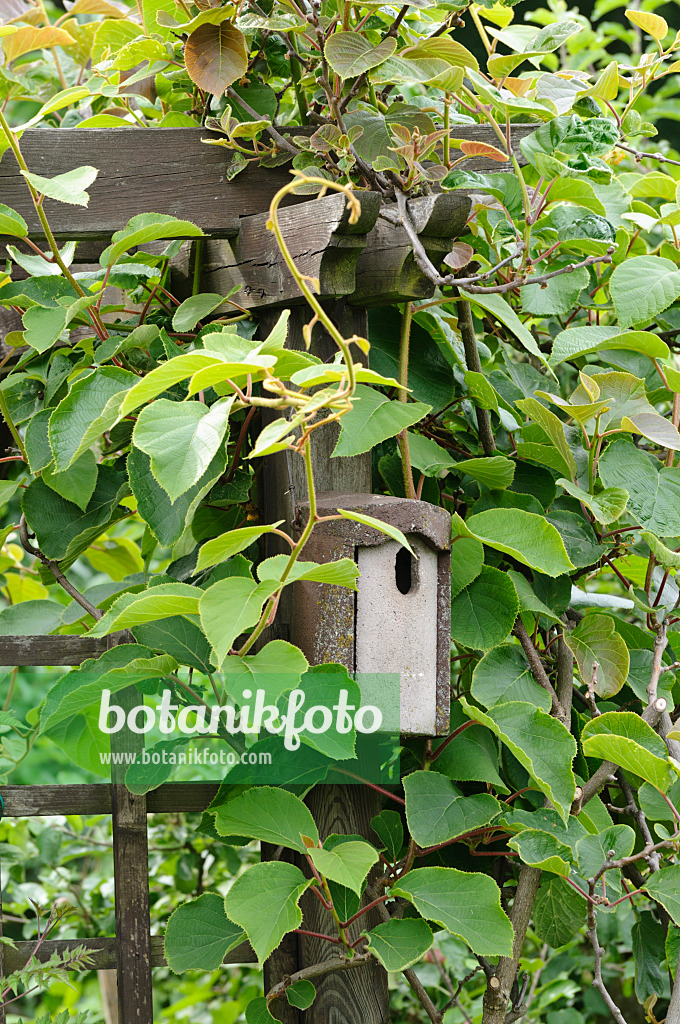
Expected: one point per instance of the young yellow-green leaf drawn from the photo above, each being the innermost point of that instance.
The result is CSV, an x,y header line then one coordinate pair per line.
x,y
653,24
484,612
227,544
437,811
274,669
159,602
199,934
552,425
540,743
269,814
181,439
342,573
525,536
377,524
607,506
230,607
26,39
193,309
347,863
467,904
350,53
264,902
143,228
69,187
579,341
500,65
664,556
627,740
495,472
373,419
595,641
12,223
401,942
503,675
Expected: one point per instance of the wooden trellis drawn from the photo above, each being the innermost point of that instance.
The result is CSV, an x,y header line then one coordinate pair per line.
x,y
371,263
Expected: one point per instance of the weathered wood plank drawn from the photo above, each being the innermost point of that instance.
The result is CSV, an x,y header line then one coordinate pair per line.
x,y
95,798
164,170
161,170
103,952
320,238
387,270
50,650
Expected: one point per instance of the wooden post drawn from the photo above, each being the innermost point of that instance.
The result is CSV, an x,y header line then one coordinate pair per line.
x,y
131,881
352,997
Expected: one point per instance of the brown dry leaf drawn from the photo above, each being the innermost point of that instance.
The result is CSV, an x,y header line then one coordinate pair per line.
x,y
216,56
460,256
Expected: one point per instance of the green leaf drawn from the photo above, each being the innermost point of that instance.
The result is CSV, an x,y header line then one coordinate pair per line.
x,y
343,573
390,831
642,287
91,407
498,307
648,942
654,489
664,556
31,618
579,341
503,675
271,815
264,901
12,223
577,536
553,426
350,53
559,911
467,559
159,602
373,419
143,228
179,637
193,309
377,524
228,608
301,994
495,472
528,601
483,614
77,483
595,641
624,738
664,886
168,519
199,934
274,669
540,743
60,526
607,506
348,863
437,811
472,757
593,850
257,1011
181,438
65,188
542,850
428,456
42,326
525,536
227,544
467,904
401,942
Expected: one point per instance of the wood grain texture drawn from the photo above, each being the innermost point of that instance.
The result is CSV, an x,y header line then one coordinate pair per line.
x,y
103,952
50,650
320,238
95,798
164,170
161,170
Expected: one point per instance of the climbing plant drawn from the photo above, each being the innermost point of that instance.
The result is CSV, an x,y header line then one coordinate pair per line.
x,y
536,397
